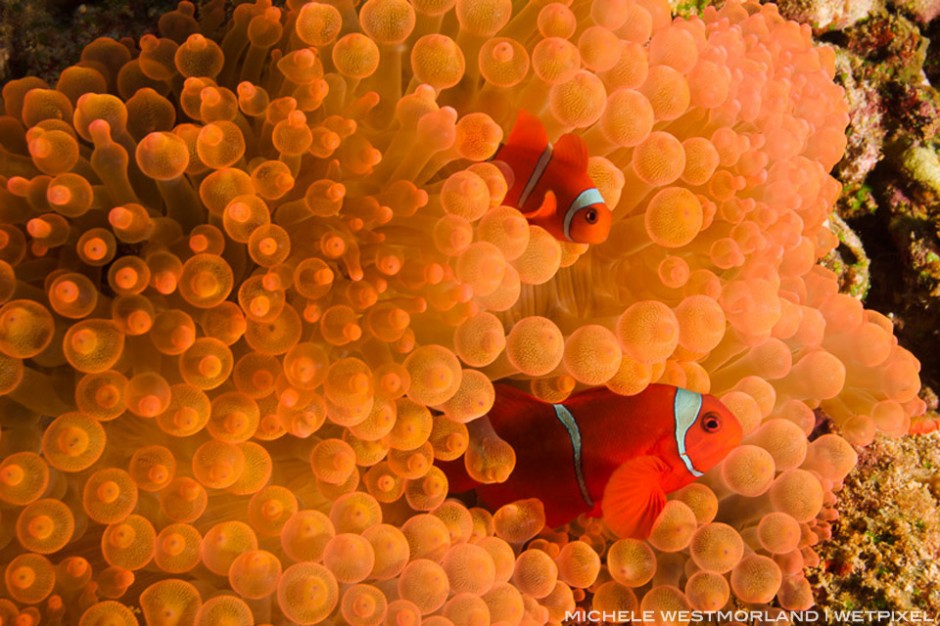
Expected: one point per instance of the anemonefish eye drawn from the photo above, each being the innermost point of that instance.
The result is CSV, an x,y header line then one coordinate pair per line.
x,y
590,216
711,422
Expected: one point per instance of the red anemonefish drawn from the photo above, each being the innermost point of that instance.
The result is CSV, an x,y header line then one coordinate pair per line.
x,y
605,454
550,184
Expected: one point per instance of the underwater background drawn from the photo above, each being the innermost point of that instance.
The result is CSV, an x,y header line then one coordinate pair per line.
x,y
249,393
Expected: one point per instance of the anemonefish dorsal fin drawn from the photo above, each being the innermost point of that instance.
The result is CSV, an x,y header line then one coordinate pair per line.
x,y
571,149
510,401
634,497
512,405
528,132
546,209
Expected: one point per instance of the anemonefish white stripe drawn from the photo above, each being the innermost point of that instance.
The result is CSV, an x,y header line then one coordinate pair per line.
x,y
536,176
571,425
585,199
686,409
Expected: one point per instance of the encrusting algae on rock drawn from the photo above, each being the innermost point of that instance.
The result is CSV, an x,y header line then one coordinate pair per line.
x,y
888,531
254,288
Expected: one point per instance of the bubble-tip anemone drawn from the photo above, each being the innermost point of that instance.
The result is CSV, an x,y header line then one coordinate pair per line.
x,y
254,284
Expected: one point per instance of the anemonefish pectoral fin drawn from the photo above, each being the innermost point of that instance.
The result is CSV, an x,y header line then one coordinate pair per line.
x,y
634,496
571,149
528,132
546,210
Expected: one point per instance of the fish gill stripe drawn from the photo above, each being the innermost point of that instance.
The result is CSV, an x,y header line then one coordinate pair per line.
x,y
585,199
571,425
686,409
536,176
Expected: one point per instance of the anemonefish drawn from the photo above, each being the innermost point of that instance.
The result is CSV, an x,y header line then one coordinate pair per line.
x,y
604,454
550,184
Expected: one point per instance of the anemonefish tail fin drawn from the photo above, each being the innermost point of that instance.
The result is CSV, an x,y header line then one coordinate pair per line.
x,y
546,209
506,170
634,497
528,132
458,480
571,149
